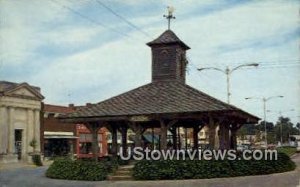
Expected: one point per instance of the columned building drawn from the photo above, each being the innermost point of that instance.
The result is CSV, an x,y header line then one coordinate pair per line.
x,y
20,108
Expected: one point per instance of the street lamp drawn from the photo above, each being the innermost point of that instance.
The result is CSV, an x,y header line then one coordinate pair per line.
x,y
228,72
280,114
264,108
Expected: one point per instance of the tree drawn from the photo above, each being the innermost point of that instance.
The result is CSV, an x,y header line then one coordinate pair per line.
x,y
287,129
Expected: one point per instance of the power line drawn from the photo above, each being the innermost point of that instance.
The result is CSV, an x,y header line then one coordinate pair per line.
x,y
122,18
89,19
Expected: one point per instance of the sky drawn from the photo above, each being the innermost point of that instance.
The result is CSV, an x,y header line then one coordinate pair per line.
x,y
79,51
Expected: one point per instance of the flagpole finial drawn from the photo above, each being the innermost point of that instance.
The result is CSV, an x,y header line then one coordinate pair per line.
x,y
170,15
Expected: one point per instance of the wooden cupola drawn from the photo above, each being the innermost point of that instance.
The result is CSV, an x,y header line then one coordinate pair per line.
x,y
168,57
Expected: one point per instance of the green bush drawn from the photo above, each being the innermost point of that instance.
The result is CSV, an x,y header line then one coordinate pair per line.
x,y
36,159
63,168
200,169
287,150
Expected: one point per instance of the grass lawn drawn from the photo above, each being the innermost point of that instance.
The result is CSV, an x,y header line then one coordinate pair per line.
x,y
287,150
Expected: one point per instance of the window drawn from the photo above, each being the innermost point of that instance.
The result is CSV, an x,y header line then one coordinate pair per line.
x,y
85,148
99,137
85,137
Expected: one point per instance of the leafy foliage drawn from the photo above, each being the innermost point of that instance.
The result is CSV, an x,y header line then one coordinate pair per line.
x,y
200,169
287,150
36,159
63,168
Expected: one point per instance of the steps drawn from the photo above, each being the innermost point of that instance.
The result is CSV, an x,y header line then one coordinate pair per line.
x,y
122,173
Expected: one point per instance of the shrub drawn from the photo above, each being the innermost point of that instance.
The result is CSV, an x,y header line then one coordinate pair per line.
x,y
63,168
36,159
199,169
287,150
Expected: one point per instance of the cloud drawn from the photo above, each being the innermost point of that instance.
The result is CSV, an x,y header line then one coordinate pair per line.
x,y
75,60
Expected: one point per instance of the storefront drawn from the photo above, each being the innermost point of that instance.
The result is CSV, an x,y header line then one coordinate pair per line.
x,y
84,142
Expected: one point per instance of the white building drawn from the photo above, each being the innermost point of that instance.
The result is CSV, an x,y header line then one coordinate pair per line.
x,y
20,108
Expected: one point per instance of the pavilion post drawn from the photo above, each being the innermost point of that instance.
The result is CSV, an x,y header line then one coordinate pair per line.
x,y
174,137
222,136
227,138
179,141
233,139
124,140
212,132
163,132
196,130
163,135
114,141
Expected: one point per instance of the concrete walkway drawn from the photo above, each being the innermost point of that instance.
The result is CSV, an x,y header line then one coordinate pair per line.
x,y
30,176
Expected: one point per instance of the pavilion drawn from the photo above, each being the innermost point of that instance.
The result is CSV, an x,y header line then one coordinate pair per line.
x,y
166,103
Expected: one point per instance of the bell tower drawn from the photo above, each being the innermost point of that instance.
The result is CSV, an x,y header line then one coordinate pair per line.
x,y
168,55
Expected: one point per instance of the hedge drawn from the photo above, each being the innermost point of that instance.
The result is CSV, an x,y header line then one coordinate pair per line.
x,y
36,159
287,150
63,168
200,169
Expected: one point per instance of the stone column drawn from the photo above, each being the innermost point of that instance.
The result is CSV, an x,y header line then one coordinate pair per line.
x,y
4,126
24,144
11,133
37,131
30,130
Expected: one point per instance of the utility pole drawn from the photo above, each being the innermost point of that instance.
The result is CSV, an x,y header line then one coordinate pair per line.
x,y
280,115
228,72
264,100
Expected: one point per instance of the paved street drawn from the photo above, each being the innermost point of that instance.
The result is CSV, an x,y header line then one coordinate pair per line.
x,y
31,176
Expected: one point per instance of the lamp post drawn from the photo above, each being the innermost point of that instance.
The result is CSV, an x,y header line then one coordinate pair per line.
x,y
264,100
228,72
280,114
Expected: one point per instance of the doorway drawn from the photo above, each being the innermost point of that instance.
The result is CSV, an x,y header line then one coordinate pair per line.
x,y
18,143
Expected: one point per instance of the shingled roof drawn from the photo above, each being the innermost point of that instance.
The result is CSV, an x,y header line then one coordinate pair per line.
x,y
156,98
168,37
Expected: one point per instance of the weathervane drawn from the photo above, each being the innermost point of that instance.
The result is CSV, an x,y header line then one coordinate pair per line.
x,y
170,15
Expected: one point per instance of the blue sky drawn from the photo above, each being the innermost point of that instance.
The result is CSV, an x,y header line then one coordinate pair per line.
x,y
79,52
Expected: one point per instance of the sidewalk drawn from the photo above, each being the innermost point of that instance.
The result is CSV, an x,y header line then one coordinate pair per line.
x,y
9,166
